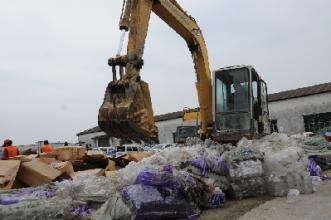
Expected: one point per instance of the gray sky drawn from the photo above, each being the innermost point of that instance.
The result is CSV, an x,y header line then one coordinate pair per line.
x,y
53,56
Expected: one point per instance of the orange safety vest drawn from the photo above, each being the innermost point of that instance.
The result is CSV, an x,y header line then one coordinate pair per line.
x,y
46,148
10,152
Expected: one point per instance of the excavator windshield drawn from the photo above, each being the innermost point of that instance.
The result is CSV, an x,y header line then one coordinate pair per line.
x,y
232,99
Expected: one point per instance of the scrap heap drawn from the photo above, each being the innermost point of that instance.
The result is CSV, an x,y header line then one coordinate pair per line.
x,y
179,181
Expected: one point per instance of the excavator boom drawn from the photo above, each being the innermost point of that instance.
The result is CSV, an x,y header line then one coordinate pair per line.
x,y
127,111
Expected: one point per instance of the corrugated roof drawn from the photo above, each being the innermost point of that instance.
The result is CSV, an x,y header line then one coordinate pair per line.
x,y
168,116
289,94
89,131
305,91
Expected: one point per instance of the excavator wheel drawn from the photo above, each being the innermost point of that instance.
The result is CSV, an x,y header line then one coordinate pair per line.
x,y
127,113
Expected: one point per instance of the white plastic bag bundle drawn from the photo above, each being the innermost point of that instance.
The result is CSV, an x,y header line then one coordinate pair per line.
x,y
293,195
284,164
246,169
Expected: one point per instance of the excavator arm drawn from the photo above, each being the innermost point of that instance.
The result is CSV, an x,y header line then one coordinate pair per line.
x,y
127,108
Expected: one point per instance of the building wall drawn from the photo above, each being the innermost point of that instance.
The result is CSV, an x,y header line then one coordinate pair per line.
x,y
87,139
289,113
92,140
166,128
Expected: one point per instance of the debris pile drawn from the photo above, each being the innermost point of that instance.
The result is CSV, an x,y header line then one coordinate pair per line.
x,y
179,181
284,164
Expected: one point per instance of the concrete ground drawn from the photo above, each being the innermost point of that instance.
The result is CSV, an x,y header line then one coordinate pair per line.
x,y
315,206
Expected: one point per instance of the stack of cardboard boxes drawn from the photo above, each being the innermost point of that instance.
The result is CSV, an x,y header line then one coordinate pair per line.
x,y
35,170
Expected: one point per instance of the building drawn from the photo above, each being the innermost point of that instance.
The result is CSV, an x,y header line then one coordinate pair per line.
x,y
95,137
293,111
301,110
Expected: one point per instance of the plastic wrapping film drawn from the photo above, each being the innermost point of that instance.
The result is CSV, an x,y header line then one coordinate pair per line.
x,y
157,194
139,194
246,169
217,199
245,188
313,168
285,163
34,203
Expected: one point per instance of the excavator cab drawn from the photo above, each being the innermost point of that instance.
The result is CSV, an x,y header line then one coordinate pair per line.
x,y
240,104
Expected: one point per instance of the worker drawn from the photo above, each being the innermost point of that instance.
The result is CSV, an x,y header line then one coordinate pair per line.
x,y
240,105
66,144
2,148
46,148
9,151
240,98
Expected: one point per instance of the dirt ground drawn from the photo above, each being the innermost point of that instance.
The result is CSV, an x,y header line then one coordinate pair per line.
x,y
315,206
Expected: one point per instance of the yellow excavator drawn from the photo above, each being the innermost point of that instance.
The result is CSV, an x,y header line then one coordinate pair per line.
x,y
233,103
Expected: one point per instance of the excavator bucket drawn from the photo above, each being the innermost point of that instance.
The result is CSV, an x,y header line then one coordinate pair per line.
x,y
127,112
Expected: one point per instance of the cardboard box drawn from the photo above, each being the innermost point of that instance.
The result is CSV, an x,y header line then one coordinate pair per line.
x,y
36,173
95,153
48,155
8,172
48,160
138,156
25,158
111,166
97,172
64,167
70,153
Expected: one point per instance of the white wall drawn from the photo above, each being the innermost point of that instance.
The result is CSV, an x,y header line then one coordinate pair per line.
x,y
166,128
87,138
289,112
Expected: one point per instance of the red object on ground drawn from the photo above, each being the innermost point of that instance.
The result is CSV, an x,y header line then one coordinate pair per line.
x,y
328,136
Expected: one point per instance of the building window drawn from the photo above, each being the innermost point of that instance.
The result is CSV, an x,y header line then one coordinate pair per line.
x,y
316,122
103,142
273,126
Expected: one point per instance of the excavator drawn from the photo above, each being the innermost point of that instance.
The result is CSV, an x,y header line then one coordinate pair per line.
x,y
232,100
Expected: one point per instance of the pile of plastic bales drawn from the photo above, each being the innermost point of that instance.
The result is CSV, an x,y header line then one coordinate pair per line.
x,y
179,181
246,173
284,163
165,193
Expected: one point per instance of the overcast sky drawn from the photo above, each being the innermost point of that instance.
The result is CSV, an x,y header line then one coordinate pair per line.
x,y
53,56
